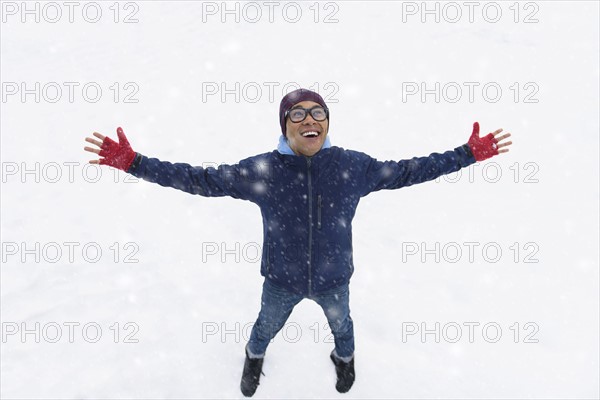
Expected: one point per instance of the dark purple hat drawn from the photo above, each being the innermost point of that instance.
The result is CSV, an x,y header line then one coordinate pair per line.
x,y
296,97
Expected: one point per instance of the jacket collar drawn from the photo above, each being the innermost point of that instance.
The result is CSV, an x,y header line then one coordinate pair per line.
x,y
284,148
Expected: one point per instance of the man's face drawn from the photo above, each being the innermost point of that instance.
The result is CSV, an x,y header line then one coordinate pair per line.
x,y
306,145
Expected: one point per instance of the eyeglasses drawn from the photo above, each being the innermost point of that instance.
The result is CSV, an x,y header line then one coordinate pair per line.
x,y
299,114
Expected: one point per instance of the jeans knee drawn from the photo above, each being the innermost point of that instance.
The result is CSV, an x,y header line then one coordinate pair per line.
x,y
343,326
266,329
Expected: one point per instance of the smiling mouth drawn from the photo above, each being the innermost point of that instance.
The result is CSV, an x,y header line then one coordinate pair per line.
x,y
310,134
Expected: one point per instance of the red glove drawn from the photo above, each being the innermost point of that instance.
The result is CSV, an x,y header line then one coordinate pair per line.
x,y
482,147
118,155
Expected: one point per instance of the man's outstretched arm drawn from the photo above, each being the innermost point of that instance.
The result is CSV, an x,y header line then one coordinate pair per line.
x,y
396,174
227,180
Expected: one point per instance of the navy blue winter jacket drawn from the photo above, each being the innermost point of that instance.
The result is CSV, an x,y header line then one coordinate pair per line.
x,y
307,203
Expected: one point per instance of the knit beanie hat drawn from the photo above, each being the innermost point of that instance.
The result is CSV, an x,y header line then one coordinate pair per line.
x,y
296,97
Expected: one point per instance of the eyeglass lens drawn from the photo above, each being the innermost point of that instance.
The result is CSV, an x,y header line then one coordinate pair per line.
x,y
299,114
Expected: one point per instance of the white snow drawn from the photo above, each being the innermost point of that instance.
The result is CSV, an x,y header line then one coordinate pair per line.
x,y
190,288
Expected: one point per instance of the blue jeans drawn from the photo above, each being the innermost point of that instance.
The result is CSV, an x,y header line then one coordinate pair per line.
x,y
277,305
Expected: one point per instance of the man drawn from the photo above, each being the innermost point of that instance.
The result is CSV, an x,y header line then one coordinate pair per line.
x,y
307,191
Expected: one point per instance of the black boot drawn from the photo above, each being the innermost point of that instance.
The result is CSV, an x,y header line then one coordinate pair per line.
x,y
251,375
345,374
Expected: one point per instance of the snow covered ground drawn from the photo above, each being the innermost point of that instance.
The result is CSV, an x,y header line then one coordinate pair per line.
x,y
480,285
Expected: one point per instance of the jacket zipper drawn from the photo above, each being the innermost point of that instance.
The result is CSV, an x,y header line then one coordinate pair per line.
x,y
310,223
319,205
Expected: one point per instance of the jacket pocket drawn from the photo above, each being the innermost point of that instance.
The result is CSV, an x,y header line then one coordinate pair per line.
x,y
319,206
269,253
